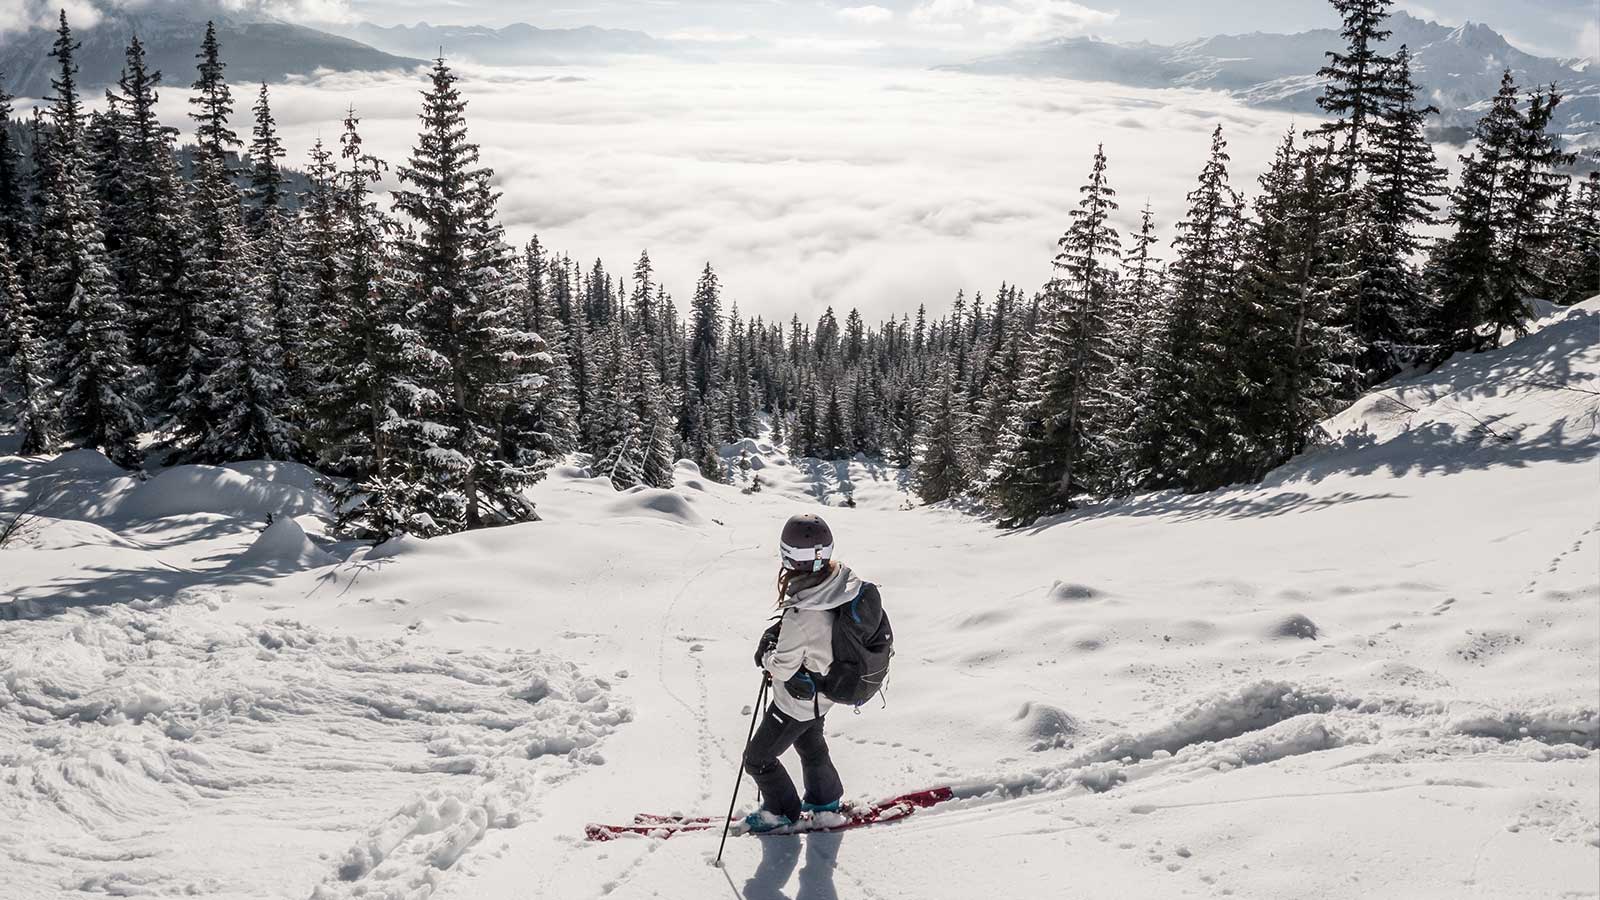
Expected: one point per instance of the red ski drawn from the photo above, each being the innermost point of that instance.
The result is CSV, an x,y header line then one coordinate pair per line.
x,y
854,815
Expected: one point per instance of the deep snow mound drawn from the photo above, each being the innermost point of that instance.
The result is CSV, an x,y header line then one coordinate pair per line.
x,y
186,490
78,484
284,545
655,503
1535,399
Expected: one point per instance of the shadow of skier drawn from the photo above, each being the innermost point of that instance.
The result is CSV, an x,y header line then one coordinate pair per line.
x,y
822,855
780,856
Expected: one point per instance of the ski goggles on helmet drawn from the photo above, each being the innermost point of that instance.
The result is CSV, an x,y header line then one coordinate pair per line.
x,y
804,559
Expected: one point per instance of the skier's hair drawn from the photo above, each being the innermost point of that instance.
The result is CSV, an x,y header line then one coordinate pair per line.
x,y
787,575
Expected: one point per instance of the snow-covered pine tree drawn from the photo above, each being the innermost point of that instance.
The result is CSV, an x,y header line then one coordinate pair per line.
x,y
1584,279
15,221
642,301
1356,82
151,267
231,402
1295,349
42,177
26,370
835,436
99,405
1137,325
1384,296
14,214
941,471
1564,252
617,451
706,335
1053,450
354,357
1529,186
1186,439
707,442
269,230
1466,269
654,411
1004,370
554,411
107,158
463,306
864,424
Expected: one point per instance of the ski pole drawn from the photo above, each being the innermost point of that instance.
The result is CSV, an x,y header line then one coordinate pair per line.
x,y
761,700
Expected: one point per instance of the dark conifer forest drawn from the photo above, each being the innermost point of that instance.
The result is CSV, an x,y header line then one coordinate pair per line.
x,y
209,309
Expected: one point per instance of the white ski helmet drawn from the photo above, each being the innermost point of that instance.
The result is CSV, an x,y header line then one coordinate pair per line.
x,y
806,544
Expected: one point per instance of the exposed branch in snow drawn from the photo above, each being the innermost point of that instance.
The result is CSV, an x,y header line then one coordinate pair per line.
x,y
21,522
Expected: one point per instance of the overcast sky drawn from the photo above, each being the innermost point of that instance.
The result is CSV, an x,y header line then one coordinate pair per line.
x,y
1551,27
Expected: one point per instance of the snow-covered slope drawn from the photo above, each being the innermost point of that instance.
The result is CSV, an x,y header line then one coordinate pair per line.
x,y
1374,675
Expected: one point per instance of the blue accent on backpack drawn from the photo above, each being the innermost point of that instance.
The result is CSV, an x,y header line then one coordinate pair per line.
x,y
862,646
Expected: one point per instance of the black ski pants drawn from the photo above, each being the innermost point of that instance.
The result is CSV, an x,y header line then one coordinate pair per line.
x,y
776,734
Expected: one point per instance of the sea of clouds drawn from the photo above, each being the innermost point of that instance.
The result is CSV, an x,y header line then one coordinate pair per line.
x,y
805,187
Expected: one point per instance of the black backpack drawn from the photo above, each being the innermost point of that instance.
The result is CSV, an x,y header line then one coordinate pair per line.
x,y
862,645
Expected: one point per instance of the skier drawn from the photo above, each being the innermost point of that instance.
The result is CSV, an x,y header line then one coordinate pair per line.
x,y
796,653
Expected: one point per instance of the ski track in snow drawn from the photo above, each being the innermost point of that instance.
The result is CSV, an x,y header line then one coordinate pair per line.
x,y
132,736
705,738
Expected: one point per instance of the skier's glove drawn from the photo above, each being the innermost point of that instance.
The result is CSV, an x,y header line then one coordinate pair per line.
x,y
801,687
769,639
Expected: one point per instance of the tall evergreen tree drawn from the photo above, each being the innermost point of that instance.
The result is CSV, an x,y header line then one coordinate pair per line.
x,y
355,356
1137,326
232,401
14,215
1584,272
941,471
1526,191
706,334
1383,295
268,229
1487,269
97,379
461,444
151,267
27,369
1186,439
1052,449
619,449
1295,349
554,411
1356,83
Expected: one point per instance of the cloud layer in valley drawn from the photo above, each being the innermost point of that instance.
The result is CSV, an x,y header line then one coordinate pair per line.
x,y
803,187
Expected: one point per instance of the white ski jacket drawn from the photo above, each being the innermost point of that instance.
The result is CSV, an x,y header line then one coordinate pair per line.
x,y
805,640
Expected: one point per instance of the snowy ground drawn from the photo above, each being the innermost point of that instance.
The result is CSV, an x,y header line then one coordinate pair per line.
x,y
1376,675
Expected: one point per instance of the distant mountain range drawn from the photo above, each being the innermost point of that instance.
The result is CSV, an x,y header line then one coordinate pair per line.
x,y
1459,69
256,48
513,45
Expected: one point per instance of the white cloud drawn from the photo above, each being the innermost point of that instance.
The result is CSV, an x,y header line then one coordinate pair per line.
x,y
805,186
1588,40
21,15
1016,20
1427,13
866,15
709,36
814,44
